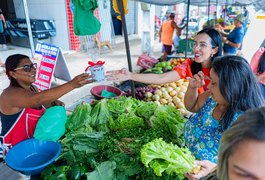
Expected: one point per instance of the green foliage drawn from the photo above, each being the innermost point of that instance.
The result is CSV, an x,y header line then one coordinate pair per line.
x,y
162,156
107,138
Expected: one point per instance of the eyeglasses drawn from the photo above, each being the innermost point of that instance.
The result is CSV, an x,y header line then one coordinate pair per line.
x,y
202,45
27,67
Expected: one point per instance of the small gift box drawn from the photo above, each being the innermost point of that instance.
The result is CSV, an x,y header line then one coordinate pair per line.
x,y
96,69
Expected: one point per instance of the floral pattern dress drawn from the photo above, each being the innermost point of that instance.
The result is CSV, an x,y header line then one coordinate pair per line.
x,y
203,132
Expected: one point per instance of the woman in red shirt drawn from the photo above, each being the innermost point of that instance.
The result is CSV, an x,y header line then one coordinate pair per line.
x,y
208,45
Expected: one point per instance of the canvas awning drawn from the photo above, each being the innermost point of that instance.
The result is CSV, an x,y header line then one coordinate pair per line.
x,y
199,2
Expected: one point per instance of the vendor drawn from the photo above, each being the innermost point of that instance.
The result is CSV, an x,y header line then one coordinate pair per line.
x,y
208,45
21,105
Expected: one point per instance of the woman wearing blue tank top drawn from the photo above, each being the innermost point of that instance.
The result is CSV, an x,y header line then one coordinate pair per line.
x,y
233,90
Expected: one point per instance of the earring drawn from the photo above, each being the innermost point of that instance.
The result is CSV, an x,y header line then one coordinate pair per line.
x,y
211,55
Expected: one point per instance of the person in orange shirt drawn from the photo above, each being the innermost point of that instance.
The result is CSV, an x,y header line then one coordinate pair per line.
x,y
208,45
166,34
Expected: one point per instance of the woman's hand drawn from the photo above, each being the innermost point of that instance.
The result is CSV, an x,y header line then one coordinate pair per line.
x,y
57,103
118,75
197,80
81,80
206,168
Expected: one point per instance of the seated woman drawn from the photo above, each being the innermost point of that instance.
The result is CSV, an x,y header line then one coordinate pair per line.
x,y
21,105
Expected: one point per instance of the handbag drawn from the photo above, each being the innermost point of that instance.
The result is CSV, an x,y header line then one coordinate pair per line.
x,y
1,26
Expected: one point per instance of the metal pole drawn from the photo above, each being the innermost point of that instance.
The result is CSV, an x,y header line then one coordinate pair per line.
x,y
208,22
29,27
125,34
216,11
187,28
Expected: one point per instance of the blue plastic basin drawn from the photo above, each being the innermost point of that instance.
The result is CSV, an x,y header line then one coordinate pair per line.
x,y
31,156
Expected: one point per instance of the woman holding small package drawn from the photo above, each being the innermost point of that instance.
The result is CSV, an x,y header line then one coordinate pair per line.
x,y
21,104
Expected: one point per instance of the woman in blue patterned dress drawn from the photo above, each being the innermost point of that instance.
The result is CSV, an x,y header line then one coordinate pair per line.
x,y
233,89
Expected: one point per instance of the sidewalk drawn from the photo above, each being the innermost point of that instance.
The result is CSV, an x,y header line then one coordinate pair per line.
x,y
77,62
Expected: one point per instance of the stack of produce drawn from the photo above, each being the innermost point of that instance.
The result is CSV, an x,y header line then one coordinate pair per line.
x,y
163,67
176,61
140,92
171,94
160,68
104,141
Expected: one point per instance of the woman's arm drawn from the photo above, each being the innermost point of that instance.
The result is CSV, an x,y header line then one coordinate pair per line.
x,y
124,74
194,101
256,58
230,43
21,98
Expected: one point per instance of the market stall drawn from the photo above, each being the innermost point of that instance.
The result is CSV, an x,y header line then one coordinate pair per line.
x,y
125,138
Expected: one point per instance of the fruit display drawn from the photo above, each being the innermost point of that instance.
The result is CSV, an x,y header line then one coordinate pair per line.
x,y
176,61
160,68
163,67
170,94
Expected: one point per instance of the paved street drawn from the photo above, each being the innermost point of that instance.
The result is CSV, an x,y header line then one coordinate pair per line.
x,y
77,62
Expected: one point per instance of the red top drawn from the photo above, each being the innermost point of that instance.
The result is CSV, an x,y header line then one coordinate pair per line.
x,y
24,126
184,71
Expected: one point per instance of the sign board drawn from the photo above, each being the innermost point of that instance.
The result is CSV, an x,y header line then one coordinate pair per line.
x,y
50,62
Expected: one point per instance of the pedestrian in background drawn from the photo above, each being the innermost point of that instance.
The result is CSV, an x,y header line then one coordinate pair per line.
x,y
233,40
2,31
166,34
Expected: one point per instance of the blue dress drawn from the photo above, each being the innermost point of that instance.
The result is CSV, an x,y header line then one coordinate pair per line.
x,y
203,133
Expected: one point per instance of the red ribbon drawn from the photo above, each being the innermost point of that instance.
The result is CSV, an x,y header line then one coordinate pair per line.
x,y
91,63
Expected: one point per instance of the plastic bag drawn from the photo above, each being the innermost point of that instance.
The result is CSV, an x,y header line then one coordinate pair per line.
x,y
146,61
51,125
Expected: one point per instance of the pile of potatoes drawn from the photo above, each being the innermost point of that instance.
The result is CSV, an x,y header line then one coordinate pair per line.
x,y
171,94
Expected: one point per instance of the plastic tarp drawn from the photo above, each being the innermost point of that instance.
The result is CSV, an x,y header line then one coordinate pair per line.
x,y
199,2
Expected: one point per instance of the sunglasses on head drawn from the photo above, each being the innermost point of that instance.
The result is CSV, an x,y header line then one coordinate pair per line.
x,y
27,67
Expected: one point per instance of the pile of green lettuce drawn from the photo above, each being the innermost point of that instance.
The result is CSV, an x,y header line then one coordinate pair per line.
x,y
104,140
162,156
